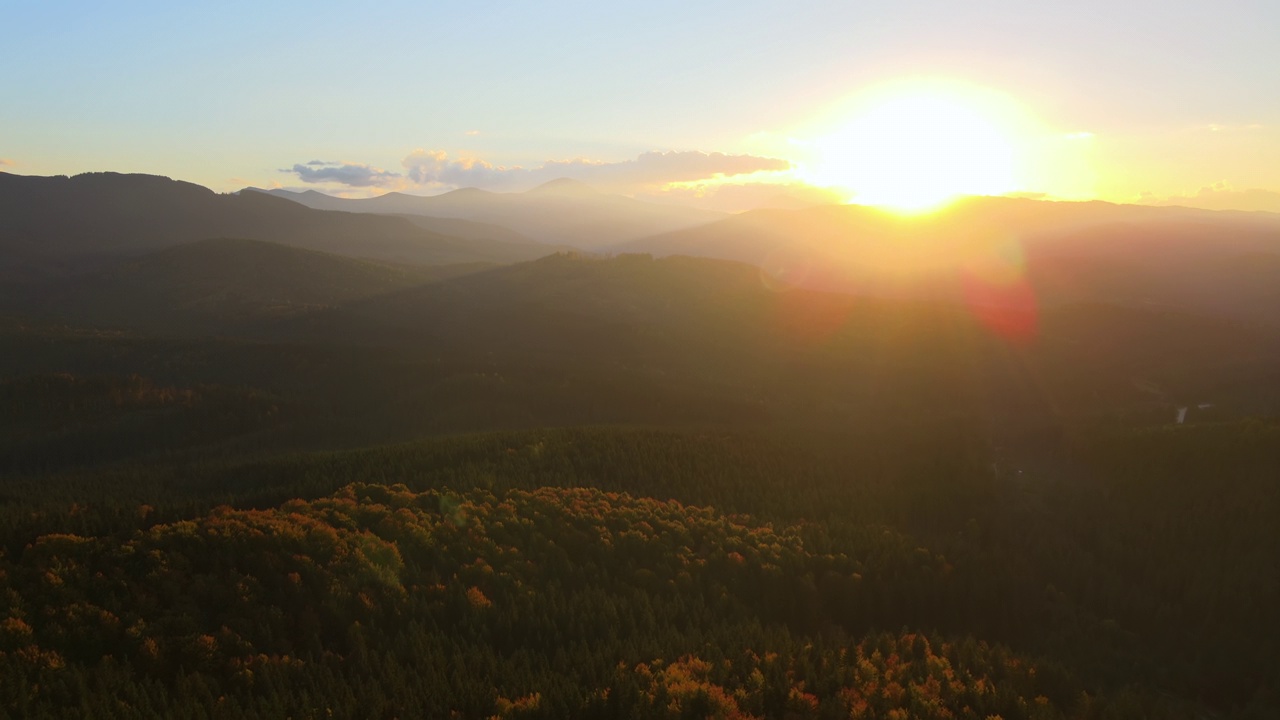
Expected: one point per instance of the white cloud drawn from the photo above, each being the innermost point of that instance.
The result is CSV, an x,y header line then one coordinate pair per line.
x,y
651,169
658,175
1220,196
434,167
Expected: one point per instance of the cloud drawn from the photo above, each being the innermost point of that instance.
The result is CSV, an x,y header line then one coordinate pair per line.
x,y
650,172
349,174
651,169
1220,196
433,167
5,161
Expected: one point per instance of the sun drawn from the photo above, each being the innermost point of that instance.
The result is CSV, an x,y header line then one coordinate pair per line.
x,y
915,146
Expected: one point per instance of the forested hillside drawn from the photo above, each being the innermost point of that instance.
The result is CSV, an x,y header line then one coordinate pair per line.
x,y
616,573
240,478
222,286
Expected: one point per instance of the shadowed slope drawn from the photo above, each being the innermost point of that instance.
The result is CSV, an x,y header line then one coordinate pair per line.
x,y
216,286
54,225
723,322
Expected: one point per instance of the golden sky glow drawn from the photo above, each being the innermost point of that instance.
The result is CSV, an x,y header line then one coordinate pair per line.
x,y
915,144
1172,103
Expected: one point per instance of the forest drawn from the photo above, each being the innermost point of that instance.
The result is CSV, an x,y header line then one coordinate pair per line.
x,y
263,476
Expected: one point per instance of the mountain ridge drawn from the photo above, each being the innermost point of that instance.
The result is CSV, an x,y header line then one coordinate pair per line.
x,y
56,226
1061,252
561,211
221,285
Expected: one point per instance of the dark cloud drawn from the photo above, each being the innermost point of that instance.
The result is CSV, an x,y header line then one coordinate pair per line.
x,y
648,170
349,174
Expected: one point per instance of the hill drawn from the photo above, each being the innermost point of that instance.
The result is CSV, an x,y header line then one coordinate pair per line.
x,y
218,286
559,212
468,229
452,227
508,584
51,226
572,339
724,324
1176,258
711,572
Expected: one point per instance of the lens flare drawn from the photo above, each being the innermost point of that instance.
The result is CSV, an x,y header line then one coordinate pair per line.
x,y
997,291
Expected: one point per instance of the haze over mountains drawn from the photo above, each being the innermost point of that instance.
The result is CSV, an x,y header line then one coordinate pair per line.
x,y
1226,263
560,211
815,286
1221,262
1002,252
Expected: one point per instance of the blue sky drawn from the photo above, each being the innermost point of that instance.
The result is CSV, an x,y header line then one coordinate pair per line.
x,y
1175,95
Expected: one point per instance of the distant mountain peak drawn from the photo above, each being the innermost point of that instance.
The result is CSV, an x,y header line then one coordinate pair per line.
x,y
466,192
564,186
132,182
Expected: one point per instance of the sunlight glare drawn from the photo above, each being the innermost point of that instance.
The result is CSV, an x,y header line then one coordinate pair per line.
x,y
914,146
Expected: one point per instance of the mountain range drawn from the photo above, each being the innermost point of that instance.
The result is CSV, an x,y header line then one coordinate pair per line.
x,y
221,286
57,226
400,465
1226,263
561,211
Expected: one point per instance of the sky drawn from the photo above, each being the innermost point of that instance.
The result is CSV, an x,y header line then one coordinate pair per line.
x,y
704,102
